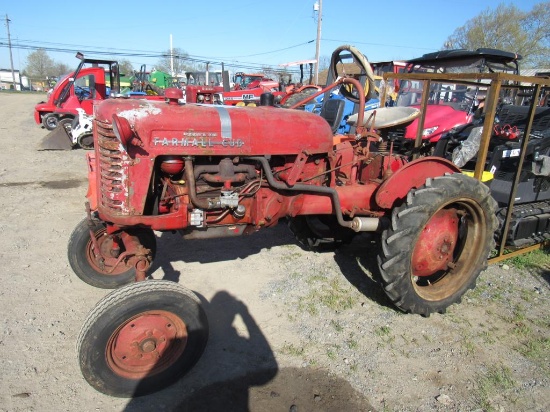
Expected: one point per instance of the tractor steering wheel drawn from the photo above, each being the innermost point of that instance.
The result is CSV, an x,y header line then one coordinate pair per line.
x,y
362,68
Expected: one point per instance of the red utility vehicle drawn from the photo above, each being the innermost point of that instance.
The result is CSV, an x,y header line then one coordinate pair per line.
x,y
211,171
78,90
449,105
248,88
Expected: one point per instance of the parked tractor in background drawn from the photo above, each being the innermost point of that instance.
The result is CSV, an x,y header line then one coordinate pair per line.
x,y
211,171
205,87
70,104
151,83
79,89
248,88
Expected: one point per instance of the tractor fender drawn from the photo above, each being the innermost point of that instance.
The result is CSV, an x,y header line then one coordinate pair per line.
x,y
412,175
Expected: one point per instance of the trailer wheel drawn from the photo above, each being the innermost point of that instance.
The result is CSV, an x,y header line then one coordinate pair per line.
x,y
141,338
50,121
438,243
109,273
318,231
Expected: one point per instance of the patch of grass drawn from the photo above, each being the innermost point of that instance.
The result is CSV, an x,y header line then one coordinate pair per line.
x,y
497,379
310,280
336,325
382,331
519,314
522,329
331,354
329,293
309,305
537,349
478,291
469,346
352,343
526,296
293,350
488,337
536,260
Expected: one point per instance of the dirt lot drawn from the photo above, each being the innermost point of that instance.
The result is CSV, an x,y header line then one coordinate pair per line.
x,y
290,330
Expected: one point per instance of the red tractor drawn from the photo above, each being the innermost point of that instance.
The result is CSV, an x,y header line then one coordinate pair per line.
x,y
78,90
212,171
248,88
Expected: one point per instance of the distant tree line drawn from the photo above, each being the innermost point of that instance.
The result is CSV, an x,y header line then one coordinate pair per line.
x,y
508,28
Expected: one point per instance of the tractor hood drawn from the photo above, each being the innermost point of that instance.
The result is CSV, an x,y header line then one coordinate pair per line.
x,y
168,128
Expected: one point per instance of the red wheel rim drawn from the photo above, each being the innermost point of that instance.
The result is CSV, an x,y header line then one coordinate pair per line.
x,y
435,247
146,344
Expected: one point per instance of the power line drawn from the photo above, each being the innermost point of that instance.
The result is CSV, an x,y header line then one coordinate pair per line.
x,y
102,51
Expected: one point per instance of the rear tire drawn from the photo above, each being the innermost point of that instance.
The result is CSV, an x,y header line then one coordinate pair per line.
x,y
80,254
294,98
438,243
142,338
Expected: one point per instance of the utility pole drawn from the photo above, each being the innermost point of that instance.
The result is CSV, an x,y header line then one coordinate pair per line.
x,y
171,57
11,57
318,7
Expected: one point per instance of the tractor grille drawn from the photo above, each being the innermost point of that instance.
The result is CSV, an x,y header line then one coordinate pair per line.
x,y
113,171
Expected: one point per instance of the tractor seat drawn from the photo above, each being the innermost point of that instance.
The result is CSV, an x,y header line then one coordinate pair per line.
x,y
386,117
333,112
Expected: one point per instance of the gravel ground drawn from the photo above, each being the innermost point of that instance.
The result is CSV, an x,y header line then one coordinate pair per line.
x,y
290,330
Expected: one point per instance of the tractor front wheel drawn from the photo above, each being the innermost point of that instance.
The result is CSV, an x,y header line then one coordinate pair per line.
x,y
102,268
141,338
438,243
50,121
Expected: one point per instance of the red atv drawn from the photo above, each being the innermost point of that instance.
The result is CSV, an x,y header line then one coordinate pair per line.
x,y
212,171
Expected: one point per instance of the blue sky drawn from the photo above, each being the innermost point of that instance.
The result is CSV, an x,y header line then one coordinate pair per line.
x,y
238,33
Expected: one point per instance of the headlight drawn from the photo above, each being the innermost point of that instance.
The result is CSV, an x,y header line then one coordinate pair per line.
x,y
429,131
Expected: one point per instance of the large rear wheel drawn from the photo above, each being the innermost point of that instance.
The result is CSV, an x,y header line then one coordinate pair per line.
x,y
102,268
438,243
141,338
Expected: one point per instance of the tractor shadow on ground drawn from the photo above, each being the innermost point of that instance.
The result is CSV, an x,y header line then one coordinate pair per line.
x,y
357,260
235,359
358,263
173,248
238,372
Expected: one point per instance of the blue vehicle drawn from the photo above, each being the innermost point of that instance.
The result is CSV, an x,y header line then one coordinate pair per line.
x,y
338,110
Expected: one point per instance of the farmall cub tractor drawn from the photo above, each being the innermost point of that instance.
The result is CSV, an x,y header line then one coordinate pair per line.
x,y
218,171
